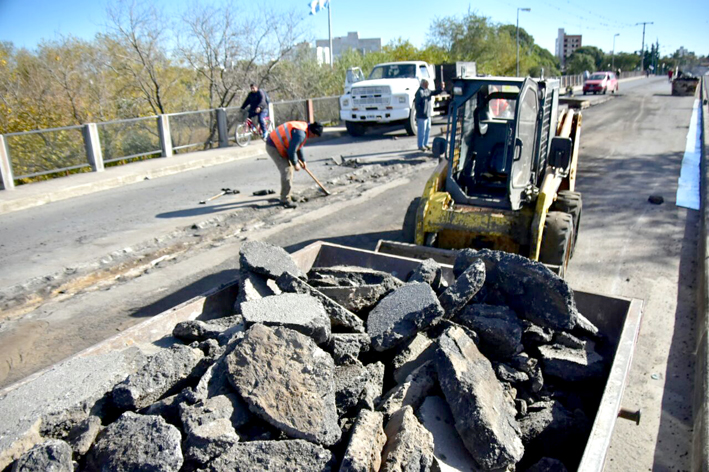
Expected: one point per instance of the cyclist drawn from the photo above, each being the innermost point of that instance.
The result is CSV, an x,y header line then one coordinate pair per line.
x,y
284,145
258,106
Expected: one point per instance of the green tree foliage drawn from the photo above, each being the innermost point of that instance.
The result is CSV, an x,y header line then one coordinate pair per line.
x,y
578,63
626,61
599,57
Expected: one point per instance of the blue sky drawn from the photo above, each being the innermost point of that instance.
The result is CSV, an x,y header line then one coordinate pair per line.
x,y
27,22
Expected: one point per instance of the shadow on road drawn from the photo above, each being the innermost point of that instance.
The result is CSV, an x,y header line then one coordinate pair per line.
x,y
366,241
672,451
209,209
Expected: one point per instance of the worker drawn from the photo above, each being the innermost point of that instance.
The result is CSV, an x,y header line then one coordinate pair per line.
x,y
258,106
285,145
424,110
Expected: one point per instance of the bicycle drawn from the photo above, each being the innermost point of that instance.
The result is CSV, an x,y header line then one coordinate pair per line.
x,y
248,128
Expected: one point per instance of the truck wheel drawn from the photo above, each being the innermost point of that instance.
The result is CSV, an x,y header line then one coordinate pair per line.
x,y
556,240
409,228
355,129
411,128
571,203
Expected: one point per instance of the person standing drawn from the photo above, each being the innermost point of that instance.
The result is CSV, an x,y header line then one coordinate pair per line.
x,y
424,110
258,106
284,145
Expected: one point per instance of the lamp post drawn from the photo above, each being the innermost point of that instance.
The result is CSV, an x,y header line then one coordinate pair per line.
x,y
613,53
518,10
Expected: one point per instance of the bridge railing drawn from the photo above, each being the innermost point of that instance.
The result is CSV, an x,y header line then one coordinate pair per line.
x,y
34,155
28,156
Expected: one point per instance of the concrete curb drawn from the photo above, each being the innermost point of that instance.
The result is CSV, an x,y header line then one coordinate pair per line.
x,y
40,193
700,406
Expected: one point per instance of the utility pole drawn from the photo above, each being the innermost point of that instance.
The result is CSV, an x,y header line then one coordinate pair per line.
x,y
613,53
518,10
642,48
329,30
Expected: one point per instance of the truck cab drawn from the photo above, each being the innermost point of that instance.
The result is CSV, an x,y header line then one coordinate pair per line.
x,y
386,96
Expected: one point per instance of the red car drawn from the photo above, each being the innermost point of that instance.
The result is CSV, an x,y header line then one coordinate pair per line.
x,y
601,82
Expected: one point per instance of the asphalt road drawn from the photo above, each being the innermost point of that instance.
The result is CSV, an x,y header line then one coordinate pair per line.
x,y
631,147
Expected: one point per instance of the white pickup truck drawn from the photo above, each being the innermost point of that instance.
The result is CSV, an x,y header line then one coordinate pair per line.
x,y
387,96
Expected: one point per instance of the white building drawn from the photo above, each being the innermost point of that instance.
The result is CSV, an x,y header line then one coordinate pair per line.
x,y
566,44
352,41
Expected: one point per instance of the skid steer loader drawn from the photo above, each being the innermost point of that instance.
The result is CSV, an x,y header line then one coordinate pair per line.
x,y
507,173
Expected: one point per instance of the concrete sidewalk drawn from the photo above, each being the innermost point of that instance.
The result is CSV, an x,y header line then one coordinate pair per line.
x,y
76,185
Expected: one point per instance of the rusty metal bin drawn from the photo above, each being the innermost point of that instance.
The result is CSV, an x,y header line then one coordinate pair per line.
x,y
684,86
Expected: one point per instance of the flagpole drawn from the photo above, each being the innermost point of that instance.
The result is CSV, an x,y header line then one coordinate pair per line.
x,y
329,29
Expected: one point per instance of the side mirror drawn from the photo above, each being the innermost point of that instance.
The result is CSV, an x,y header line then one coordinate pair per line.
x,y
439,147
560,153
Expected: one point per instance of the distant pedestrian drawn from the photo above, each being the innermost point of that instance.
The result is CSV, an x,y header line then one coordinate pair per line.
x,y
669,74
284,145
424,109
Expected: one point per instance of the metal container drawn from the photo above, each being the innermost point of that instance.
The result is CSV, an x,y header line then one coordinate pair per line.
x,y
617,318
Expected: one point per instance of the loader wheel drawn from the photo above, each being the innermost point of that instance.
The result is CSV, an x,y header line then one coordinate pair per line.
x,y
355,129
409,227
556,240
410,125
570,202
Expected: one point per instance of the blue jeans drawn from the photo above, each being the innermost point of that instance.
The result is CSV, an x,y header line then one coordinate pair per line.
x,y
261,116
424,130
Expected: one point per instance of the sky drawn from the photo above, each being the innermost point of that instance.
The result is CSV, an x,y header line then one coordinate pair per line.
x,y
27,22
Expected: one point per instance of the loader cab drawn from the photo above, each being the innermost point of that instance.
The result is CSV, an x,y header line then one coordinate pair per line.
x,y
498,141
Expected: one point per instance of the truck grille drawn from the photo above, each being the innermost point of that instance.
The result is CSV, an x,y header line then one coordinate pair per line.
x,y
371,96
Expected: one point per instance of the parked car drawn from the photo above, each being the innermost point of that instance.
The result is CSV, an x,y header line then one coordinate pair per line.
x,y
601,82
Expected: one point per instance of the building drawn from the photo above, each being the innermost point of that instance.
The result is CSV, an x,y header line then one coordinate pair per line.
x,y
341,44
566,44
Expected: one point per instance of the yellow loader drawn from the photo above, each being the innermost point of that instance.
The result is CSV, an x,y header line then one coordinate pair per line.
x,y
507,173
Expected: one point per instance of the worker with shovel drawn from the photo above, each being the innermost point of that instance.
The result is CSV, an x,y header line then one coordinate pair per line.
x,y
285,145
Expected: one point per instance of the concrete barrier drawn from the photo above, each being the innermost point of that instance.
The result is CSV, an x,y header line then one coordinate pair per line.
x,y
700,440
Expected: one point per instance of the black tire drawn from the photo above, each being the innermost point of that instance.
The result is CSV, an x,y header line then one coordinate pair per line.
x,y
571,203
409,227
355,129
410,125
557,240
585,93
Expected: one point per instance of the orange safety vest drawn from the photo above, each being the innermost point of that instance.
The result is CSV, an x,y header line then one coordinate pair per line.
x,y
281,136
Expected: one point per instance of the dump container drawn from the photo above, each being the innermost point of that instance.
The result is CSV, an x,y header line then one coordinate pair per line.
x,y
617,318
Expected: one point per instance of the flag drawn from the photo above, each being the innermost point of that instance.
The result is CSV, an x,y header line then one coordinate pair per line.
x,y
317,5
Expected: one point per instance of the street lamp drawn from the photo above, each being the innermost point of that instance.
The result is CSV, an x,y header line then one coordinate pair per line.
x,y
518,10
613,53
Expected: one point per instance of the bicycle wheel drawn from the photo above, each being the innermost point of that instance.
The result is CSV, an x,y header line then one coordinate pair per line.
x,y
243,135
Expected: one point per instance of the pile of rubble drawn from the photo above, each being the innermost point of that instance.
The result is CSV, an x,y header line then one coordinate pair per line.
x,y
352,369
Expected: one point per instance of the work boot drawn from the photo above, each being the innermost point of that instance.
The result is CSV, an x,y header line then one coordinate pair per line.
x,y
289,204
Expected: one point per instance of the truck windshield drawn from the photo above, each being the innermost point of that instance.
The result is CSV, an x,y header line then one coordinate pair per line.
x,y
394,71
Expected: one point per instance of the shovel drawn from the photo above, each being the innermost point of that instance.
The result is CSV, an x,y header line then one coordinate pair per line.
x,y
314,178
225,191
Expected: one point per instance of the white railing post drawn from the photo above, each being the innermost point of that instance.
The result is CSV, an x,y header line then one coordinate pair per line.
x,y
8,181
222,128
93,147
271,114
165,137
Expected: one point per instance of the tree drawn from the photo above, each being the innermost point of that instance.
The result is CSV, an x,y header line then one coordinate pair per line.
x,y
135,48
595,53
578,63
